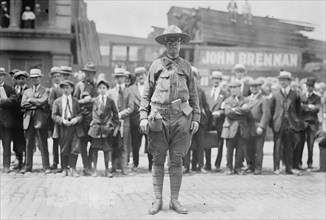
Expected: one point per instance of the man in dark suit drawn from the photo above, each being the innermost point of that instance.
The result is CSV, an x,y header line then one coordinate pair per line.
x,y
286,123
36,114
124,101
258,120
235,127
239,71
310,103
216,97
8,100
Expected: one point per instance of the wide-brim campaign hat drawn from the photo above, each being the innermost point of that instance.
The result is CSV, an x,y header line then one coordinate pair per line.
x,y
120,72
3,71
255,82
54,70
234,84
140,70
285,75
216,74
35,73
21,73
104,82
66,70
67,83
89,67
172,31
310,81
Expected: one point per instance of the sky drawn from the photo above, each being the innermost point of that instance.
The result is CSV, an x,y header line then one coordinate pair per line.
x,y
136,18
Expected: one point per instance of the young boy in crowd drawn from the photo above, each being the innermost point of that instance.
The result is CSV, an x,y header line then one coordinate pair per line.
x,y
105,119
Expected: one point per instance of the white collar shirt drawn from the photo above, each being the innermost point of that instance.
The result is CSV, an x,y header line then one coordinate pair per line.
x,y
141,88
215,92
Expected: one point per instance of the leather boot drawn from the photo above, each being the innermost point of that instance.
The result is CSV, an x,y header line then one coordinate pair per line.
x,y
156,207
176,206
158,178
175,184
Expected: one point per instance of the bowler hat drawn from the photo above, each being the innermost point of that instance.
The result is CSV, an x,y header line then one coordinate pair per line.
x,y
139,70
89,67
54,70
285,75
311,81
172,31
104,82
65,70
217,74
21,73
3,71
67,83
120,72
234,84
255,82
35,73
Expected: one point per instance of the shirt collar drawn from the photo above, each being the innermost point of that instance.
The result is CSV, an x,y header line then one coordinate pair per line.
x,y
1,84
121,85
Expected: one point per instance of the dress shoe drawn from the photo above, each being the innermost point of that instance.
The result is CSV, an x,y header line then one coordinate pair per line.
x,y
186,170
176,206
228,172
6,170
239,172
202,170
156,207
294,172
53,167
59,170
47,171
64,173
74,172
277,172
257,172
87,172
25,170
245,168
217,169
134,168
108,173
18,166
95,174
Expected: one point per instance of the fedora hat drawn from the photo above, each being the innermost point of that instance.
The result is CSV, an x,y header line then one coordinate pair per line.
x,y
89,67
66,70
104,82
311,81
120,72
255,82
21,73
3,71
217,74
234,84
172,31
139,70
285,75
54,70
67,83
35,73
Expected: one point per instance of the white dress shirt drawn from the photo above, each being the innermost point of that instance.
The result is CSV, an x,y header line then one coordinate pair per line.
x,y
64,103
141,88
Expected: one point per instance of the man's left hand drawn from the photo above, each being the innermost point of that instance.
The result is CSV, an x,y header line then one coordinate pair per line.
x,y
194,127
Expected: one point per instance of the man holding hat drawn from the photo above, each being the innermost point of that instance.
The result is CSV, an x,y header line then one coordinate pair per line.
x,y
239,71
124,101
8,101
310,103
36,114
286,123
85,90
235,128
19,141
215,98
170,90
258,119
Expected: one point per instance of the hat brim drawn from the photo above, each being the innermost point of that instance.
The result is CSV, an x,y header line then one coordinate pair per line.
x,y
216,77
285,77
185,38
34,76
66,73
88,70
255,84
120,74
21,74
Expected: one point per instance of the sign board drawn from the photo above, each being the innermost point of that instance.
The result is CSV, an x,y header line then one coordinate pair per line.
x,y
255,59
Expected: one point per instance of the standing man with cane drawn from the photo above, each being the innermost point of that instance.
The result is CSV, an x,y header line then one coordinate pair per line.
x,y
170,91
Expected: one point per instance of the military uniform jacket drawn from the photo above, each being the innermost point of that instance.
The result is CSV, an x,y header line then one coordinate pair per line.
x,y
76,113
6,107
259,115
236,118
104,120
292,104
168,81
311,115
36,108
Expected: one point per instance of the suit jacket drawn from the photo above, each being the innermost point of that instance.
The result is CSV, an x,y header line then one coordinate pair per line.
x,y
236,118
204,107
76,113
54,94
291,103
134,117
127,105
36,108
17,110
103,122
6,107
311,115
246,90
215,105
259,115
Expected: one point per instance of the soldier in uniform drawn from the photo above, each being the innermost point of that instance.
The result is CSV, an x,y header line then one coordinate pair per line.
x,y
170,113
85,90
8,100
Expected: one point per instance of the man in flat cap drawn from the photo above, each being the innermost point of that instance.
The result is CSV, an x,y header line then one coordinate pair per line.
x,y
258,119
286,122
311,104
170,91
8,101
36,114
85,90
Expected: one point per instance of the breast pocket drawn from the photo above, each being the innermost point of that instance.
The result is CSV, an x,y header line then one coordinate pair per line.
x,y
183,92
162,89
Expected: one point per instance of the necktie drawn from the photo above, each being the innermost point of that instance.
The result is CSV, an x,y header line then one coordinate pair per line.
x,y
284,92
67,111
102,104
120,99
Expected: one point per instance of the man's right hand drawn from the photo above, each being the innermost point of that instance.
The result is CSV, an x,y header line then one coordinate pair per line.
x,y
144,125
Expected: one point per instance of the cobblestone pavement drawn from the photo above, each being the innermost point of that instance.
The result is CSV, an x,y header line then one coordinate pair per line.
x,y
207,196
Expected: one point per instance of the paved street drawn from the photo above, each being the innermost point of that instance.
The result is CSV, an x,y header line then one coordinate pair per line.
x,y
207,196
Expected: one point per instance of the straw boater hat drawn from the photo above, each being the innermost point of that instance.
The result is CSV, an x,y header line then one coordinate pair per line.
x,y
217,74
239,66
255,82
139,70
21,73
120,72
35,73
89,67
3,71
66,70
311,81
234,84
285,75
54,70
172,31
67,83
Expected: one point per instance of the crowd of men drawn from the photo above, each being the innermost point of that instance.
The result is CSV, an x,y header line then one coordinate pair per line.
x,y
239,114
